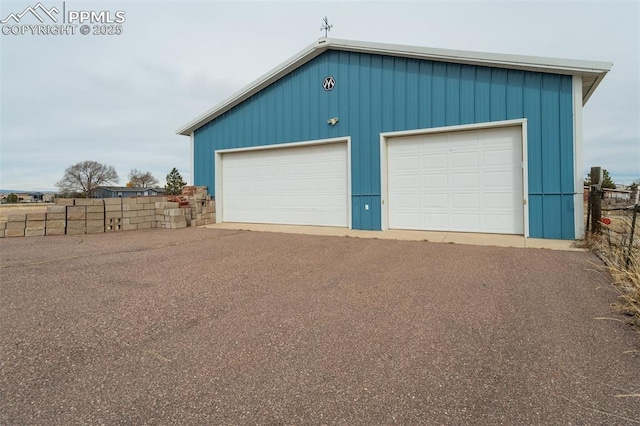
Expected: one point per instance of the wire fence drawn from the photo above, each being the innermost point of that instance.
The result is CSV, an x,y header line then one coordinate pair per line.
x,y
618,226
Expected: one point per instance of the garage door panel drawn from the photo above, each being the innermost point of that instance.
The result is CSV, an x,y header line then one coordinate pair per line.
x,y
409,201
498,158
407,163
465,201
406,182
436,221
436,145
464,180
305,185
501,201
406,219
466,221
497,180
461,140
464,159
435,201
504,222
434,161
467,181
431,181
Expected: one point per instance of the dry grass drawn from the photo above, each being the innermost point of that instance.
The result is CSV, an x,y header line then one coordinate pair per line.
x,y
622,260
627,279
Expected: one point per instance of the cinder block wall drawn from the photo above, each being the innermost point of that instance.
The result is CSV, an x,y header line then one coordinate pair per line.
x,y
73,216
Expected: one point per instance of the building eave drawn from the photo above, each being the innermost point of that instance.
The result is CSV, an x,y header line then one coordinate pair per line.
x,y
592,71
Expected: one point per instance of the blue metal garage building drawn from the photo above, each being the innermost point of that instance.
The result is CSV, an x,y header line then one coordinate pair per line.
x,y
377,136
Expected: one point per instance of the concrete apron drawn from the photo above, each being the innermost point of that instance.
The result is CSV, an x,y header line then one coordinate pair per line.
x,y
498,240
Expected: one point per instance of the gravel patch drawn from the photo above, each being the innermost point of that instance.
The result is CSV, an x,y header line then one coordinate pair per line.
x,y
209,326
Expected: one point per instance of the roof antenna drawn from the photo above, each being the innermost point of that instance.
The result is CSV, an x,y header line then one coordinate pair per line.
x,y
326,27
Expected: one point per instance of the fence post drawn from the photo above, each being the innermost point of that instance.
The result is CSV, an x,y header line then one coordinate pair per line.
x,y
595,197
587,231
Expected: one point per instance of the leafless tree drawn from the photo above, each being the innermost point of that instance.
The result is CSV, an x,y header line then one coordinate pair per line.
x,y
140,179
85,177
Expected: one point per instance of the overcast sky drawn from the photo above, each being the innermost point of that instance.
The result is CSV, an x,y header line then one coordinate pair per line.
x,y
119,99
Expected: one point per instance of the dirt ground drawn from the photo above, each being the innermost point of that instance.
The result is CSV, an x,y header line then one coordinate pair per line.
x,y
211,326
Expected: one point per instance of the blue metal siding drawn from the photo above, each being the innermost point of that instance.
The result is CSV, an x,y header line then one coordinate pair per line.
x,y
375,94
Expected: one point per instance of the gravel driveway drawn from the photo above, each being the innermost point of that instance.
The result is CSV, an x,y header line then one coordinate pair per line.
x,y
206,326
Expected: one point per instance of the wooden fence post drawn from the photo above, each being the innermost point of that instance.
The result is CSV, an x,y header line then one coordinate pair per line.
x,y
595,198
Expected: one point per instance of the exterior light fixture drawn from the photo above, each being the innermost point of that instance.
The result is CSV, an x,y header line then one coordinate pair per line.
x,y
332,121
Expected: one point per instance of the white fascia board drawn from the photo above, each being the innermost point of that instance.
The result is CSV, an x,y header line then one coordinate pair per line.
x,y
598,69
532,63
526,63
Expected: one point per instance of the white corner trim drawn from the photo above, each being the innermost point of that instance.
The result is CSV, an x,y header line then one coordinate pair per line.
x,y
578,146
525,178
217,160
384,195
192,159
384,183
218,154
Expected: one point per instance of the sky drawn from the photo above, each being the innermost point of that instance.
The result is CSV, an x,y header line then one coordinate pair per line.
x,y
119,99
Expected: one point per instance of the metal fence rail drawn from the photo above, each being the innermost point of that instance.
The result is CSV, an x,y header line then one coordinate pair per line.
x,y
617,222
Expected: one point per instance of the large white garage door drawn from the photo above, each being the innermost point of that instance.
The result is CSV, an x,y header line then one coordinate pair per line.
x,y
467,181
304,185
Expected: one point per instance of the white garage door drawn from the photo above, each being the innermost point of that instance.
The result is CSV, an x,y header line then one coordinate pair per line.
x,y
304,185
468,181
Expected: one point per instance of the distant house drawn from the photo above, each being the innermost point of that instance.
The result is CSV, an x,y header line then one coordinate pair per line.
x,y
37,197
26,197
126,192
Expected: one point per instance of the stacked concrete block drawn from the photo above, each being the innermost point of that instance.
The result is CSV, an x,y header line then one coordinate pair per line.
x,y
169,215
201,205
130,209
203,213
198,192
76,220
83,201
16,224
153,199
56,220
90,216
66,202
147,215
175,218
95,218
35,224
139,213
112,214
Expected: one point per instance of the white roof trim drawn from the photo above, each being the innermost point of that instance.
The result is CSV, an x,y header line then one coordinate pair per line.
x,y
593,69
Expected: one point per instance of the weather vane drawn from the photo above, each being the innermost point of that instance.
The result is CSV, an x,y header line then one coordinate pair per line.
x,y
326,27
